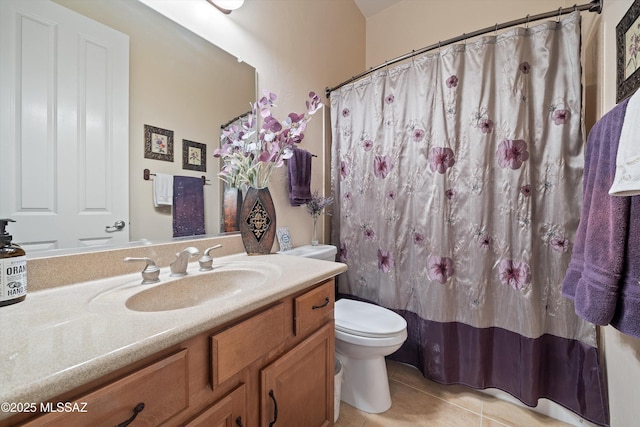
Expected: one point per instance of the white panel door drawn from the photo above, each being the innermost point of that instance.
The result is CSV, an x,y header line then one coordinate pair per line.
x,y
64,127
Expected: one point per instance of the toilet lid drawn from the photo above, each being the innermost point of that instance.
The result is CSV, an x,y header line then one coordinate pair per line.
x,y
367,320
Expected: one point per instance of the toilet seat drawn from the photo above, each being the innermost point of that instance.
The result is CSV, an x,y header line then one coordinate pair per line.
x,y
367,320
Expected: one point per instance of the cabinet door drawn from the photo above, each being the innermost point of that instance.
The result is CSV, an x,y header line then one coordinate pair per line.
x,y
230,411
297,389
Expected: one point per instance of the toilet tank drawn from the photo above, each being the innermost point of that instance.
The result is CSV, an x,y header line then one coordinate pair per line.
x,y
323,252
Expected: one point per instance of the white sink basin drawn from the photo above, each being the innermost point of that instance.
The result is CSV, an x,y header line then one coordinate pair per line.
x,y
190,291
193,290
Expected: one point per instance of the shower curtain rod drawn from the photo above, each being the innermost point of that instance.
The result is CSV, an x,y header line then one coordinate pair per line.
x,y
593,6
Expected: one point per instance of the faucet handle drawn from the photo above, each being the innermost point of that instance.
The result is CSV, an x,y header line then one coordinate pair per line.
x,y
150,273
205,261
192,251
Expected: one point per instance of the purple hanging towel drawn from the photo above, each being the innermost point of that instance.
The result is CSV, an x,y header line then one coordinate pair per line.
x,y
188,206
299,170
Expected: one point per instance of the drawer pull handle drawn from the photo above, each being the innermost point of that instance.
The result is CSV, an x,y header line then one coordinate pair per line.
x,y
275,408
324,304
139,407
239,421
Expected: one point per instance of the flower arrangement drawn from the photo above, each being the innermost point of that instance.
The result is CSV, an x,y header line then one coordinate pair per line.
x,y
249,160
315,206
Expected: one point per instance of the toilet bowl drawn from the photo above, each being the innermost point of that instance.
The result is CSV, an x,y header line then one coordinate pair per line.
x,y
365,334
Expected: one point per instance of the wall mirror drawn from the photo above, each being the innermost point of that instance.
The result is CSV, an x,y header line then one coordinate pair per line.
x,y
179,82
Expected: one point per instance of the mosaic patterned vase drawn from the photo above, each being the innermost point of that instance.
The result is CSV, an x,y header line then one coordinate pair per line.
x,y
231,208
258,221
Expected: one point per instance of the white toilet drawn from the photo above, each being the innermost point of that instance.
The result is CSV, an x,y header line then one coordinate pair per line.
x,y
365,334
324,252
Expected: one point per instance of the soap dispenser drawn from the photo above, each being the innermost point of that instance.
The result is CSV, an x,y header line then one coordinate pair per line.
x,y
13,264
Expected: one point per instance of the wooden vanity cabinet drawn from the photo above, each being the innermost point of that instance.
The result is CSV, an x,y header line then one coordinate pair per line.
x,y
295,387
232,376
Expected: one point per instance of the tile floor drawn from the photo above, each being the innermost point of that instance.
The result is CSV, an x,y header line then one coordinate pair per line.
x,y
420,402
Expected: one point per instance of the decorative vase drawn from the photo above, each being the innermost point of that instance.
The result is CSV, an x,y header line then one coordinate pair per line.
x,y
314,236
258,221
232,206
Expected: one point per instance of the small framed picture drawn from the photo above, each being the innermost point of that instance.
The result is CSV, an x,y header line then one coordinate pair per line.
x,y
194,156
158,143
628,52
284,238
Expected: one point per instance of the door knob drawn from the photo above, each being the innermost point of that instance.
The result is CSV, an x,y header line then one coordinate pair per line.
x,y
117,226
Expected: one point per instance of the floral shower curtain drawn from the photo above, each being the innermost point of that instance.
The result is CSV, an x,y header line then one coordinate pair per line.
x,y
458,180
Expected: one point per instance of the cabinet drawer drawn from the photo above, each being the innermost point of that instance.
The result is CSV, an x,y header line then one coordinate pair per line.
x,y
314,307
162,387
237,347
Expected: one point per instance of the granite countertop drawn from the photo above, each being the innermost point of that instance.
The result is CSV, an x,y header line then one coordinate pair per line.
x,y
60,338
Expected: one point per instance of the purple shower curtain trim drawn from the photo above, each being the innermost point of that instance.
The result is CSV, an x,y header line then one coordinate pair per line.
x,y
528,369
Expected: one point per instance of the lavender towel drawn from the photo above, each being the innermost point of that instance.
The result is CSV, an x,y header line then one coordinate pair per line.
x,y
299,170
188,206
602,277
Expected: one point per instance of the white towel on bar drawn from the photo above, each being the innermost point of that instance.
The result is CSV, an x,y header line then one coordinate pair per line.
x,y
627,177
162,190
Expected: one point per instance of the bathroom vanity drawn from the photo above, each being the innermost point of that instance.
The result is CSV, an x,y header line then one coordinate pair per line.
x,y
259,350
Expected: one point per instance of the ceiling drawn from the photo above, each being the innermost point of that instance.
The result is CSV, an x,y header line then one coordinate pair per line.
x,y
371,7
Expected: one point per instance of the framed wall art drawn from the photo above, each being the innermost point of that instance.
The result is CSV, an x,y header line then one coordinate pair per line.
x,y
628,52
158,143
194,156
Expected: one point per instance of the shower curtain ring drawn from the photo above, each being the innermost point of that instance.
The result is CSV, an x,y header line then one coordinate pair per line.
x,y
527,24
575,7
559,13
495,31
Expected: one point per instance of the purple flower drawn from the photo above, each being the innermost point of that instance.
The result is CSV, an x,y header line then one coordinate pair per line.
x,y
345,112
418,134
525,67
347,195
343,253
452,81
418,238
344,169
485,242
515,274
559,244
391,195
389,99
512,153
485,125
382,165
385,261
367,145
440,268
441,158
526,190
450,193
369,234
560,117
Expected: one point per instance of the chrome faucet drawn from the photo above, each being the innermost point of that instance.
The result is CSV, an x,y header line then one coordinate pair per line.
x,y
179,266
151,271
206,262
